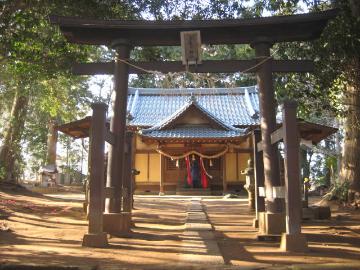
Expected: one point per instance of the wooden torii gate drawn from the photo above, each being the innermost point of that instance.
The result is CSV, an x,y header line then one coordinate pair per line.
x,y
260,33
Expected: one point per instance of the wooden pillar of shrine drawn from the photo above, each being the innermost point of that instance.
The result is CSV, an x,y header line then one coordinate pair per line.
x,y
225,188
113,219
259,177
292,240
95,236
162,172
269,221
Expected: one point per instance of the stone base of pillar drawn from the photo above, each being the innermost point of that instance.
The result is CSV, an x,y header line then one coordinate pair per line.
x,y
117,223
95,240
271,223
161,193
255,223
293,242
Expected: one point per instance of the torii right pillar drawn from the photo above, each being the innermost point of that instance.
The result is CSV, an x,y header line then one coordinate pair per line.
x,y
115,221
272,221
293,239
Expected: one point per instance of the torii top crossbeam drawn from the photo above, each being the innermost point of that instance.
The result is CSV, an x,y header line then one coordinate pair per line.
x,y
166,33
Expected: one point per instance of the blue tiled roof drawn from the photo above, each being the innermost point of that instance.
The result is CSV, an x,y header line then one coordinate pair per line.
x,y
220,130
191,102
232,106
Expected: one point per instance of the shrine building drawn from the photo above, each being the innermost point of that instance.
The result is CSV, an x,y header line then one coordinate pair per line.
x,y
193,141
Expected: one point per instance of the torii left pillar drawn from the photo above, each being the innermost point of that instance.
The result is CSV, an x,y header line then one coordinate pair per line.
x,y
95,236
114,219
271,222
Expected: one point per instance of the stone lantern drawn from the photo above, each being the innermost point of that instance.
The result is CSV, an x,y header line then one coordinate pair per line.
x,y
250,183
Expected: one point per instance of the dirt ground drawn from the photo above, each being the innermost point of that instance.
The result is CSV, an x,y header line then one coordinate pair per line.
x,y
47,230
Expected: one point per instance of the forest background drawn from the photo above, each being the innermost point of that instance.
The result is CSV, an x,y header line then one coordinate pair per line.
x,y
37,88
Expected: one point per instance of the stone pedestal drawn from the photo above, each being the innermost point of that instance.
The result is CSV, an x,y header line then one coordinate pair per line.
x,y
251,199
117,223
271,223
293,242
95,240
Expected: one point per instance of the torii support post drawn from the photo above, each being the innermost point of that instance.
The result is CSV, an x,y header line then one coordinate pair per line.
x,y
95,236
292,240
127,181
115,172
268,222
127,198
259,177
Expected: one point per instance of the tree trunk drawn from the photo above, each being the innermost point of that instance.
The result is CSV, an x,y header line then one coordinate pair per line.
x,y
51,143
327,167
350,167
11,148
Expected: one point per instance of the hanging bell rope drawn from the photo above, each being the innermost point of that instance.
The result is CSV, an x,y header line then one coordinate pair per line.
x,y
192,152
203,166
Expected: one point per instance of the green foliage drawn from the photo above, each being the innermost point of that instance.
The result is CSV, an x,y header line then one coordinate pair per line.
x,y
339,192
35,60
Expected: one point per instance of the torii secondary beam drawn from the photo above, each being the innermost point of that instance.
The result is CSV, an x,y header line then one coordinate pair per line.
x,y
212,66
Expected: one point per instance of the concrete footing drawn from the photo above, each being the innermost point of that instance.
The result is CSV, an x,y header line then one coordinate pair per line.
x,y
269,238
322,212
271,223
117,223
316,212
95,240
293,242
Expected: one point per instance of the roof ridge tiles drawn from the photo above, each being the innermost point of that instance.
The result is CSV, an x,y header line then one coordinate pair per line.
x,y
192,91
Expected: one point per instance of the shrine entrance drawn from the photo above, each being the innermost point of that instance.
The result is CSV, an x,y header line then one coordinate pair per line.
x,y
261,34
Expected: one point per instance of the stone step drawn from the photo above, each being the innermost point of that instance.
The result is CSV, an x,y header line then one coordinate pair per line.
x,y
193,191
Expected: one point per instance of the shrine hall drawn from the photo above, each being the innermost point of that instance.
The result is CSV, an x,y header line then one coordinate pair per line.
x,y
193,141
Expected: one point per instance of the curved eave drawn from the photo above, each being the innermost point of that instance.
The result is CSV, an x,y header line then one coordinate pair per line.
x,y
315,132
76,129
193,140
308,130
167,33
